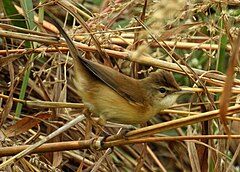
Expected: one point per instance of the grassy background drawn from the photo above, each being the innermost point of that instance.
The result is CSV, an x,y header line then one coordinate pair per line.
x,y
197,41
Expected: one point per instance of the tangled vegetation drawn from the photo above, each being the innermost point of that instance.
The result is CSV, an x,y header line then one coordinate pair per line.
x,y
198,41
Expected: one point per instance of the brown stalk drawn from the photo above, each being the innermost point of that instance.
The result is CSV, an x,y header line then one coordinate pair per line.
x,y
86,144
176,123
225,98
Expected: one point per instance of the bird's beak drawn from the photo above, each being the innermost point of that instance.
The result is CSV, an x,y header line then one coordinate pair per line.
x,y
185,91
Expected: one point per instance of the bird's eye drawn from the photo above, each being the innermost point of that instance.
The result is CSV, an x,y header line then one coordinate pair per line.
x,y
162,90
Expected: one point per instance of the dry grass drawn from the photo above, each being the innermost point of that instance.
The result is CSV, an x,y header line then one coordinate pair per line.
x,y
198,42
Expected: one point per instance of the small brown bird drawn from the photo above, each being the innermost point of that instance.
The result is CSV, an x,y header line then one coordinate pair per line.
x,y
116,97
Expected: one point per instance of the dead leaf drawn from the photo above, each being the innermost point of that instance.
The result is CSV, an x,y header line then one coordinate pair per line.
x,y
25,124
225,98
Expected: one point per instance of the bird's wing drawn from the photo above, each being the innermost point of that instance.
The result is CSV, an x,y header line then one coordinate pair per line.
x,y
125,86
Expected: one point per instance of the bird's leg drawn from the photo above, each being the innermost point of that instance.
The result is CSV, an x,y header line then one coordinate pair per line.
x,y
89,123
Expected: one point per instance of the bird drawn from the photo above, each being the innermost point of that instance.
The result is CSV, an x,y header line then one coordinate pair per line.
x,y
118,98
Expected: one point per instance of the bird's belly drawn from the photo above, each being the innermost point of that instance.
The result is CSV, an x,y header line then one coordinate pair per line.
x,y
110,106
122,111
126,117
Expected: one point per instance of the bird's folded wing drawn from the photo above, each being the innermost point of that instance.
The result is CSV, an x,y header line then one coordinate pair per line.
x,y
125,86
